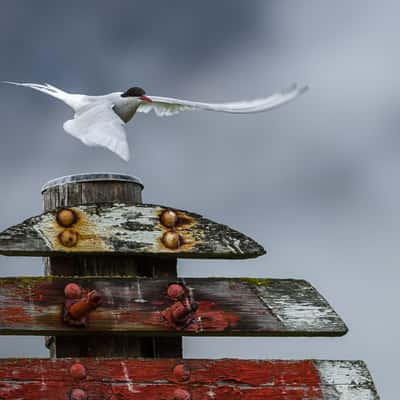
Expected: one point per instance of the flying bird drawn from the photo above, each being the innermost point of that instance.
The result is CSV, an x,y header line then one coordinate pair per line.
x,y
100,120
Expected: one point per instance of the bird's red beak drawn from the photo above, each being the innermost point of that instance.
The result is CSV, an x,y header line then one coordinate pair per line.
x,y
145,98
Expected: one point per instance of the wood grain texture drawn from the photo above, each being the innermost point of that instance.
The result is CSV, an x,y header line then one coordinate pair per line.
x,y
126,229
34,379
82,189
136,306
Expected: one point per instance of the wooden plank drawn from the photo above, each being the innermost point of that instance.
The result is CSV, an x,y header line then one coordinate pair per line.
x,y
34,379
141,306
126,229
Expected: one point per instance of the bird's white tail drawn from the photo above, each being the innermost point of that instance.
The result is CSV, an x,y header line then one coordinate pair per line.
x,y
70,99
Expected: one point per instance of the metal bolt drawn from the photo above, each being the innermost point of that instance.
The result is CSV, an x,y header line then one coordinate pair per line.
x,y
181,394
175,290
169,218
78,371
180,311
172,240
69,238
181,372
66,217
78,394
85,305
73,291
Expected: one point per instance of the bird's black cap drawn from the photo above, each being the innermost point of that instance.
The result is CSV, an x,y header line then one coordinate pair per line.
x,y
134,92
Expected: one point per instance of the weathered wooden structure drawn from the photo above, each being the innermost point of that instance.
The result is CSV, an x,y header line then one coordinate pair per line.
x,y
111,290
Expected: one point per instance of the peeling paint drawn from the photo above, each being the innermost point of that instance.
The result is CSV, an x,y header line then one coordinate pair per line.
x,y
122,228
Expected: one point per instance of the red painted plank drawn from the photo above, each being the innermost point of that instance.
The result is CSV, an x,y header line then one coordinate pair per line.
x,y
228,379
35,391
130,305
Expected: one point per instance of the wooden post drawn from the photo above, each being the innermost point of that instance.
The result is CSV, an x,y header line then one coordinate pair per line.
x,y
113,293
86,189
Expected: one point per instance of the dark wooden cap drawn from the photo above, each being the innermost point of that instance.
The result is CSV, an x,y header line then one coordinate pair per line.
x,y
92,177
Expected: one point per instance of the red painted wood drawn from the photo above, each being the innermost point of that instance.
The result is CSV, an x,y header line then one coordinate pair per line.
x,y
248,372
59,391
154,379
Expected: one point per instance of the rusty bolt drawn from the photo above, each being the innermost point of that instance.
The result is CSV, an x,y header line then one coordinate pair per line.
x,y
82,307
181,373
78,371
73,291
175,290
66,217
169,218
180,311
69,238
181,394
172,240
78,394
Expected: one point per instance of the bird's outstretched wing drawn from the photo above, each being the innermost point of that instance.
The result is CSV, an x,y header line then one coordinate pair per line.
x,y
164,106
98,125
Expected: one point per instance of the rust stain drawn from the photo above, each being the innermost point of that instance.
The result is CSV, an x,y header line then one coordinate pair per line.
x,y
204,319
66,217
84,236
177,231
69,238
172,240
169,218
173,218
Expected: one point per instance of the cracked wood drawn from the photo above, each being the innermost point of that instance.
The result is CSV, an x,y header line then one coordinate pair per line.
x,y
127,229
34,379
131,305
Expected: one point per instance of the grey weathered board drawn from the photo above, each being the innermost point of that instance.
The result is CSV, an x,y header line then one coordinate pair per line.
x,y
135,306
228,379
126,229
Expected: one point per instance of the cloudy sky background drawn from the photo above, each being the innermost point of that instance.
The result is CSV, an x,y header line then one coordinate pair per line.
x,y
315,182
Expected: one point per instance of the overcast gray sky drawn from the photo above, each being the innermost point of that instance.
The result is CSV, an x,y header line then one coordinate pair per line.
x,y
315,182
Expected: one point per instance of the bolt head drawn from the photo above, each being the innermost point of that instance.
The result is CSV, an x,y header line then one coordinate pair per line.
x,y
73,291
181,394
69,238
169,218
78,371
95,298
181,373
78,394
66,217
175,290
171,240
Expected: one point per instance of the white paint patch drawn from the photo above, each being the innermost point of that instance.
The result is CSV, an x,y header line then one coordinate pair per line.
x,y
299,306
139,298
345,380
40,228
348,393
128,380
343,372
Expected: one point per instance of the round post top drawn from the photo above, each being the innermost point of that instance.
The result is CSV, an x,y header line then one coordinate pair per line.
x,y
92,177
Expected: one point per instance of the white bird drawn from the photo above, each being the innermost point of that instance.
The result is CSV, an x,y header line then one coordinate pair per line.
x,y
100,120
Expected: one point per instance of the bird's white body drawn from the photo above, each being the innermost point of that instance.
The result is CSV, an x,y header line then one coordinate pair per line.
x,y
100,120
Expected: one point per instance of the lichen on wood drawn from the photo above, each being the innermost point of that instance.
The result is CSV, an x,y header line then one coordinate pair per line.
x,y
138,306
126,229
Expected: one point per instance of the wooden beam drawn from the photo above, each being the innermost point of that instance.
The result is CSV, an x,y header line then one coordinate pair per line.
x,y
34,379
135,229
142,306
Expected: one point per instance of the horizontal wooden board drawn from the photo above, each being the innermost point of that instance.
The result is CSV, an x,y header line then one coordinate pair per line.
x,y
131,305
127,229
42,379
